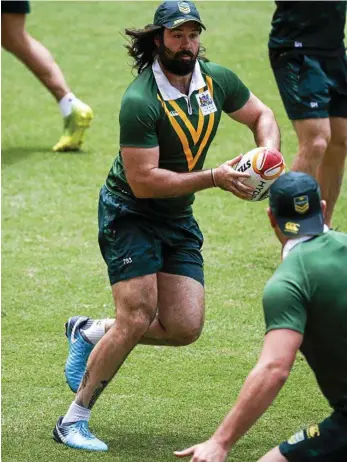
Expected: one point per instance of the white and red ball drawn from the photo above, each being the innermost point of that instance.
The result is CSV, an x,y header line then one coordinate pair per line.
x,y
264,165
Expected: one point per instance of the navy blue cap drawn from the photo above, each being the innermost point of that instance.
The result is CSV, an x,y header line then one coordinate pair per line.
x,y
172,14
295,203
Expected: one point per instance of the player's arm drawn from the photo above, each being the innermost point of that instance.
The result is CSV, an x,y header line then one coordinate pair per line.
x,y
261,120
147,180
258,392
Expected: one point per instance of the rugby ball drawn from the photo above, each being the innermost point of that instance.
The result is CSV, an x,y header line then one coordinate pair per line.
x,y
264,165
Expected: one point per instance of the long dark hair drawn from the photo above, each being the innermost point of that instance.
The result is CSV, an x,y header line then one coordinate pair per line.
x,y
143,49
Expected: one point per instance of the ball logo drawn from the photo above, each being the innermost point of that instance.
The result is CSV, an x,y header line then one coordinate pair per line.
x,y
268,164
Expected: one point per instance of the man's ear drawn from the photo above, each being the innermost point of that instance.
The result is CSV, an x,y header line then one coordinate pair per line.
x,y
271,218
323,205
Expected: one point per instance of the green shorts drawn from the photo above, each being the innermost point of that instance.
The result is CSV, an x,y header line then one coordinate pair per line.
x,y
325,442
134,244
311,86
14,7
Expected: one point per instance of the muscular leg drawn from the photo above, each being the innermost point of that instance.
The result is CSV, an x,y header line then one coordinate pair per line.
x,y
313,136
273,456
331,169
136,302
180,314
33,54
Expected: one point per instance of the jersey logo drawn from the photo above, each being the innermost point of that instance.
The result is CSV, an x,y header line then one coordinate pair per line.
x,y
173,113
206,103
183,7
301,204
291,227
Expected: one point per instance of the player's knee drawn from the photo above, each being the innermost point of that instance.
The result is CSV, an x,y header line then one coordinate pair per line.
x,y
319,144
339,144
138,316
187,335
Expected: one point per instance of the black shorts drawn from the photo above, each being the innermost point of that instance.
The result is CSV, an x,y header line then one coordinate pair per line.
x,y
325,442
15,7
311,86
134,244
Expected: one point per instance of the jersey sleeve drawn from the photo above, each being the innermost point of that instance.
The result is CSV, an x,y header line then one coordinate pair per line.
x,y
236,94
137,121
284,305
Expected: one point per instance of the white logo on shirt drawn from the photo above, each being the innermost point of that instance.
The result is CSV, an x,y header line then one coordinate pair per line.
x,y
313,104
206,102
298,44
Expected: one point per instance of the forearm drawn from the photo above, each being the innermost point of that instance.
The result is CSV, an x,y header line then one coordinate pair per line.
x,y
258,392
160,183
266,131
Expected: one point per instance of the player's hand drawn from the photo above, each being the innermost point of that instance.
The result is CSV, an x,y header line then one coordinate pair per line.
x,y
209,451
229,179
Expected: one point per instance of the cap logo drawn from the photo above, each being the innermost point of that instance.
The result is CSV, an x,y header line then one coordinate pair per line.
x,y
301,204
291,227
178,21
183,7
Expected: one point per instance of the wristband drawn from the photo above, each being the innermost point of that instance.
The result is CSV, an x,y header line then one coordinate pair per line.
x,y
213,179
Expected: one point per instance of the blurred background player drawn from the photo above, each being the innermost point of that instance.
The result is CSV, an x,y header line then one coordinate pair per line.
x,y
148,235
305,307
308,58
16,40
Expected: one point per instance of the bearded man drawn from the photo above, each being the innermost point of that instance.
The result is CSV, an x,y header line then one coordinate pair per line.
x,y
148,236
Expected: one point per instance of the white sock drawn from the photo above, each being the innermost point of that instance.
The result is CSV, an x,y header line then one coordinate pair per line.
x,y
95,331
65,104
76,413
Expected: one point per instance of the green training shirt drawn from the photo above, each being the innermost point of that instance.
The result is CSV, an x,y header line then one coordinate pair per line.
x,y
153,113
315,27
308,294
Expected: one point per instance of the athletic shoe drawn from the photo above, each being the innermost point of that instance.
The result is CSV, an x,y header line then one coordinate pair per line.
x,y
75,126
78,436
79,351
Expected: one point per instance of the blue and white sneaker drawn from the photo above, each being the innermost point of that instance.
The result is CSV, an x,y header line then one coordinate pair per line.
x,y
79,351
78,436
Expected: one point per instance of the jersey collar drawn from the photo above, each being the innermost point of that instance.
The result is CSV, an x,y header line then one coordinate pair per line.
x,y
291,243
167,91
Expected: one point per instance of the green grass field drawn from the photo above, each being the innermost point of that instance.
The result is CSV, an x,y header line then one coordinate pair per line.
x,y
163,399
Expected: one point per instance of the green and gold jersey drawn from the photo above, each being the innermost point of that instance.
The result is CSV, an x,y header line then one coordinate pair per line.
x,y
316,27
308,294
154,113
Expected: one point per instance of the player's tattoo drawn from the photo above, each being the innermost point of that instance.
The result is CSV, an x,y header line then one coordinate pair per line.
x,y
84,380
97,393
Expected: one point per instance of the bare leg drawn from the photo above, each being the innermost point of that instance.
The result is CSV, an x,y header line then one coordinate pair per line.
x,y
180,315
33,54
331,169
136,302
313,136
273,456
180,312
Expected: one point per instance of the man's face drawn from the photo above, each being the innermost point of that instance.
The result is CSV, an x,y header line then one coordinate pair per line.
x,y
179,48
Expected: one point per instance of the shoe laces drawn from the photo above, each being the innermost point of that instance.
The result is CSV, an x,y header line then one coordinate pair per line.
x,y
83,429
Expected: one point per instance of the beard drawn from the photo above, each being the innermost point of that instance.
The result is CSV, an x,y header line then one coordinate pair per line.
x,y
174,62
